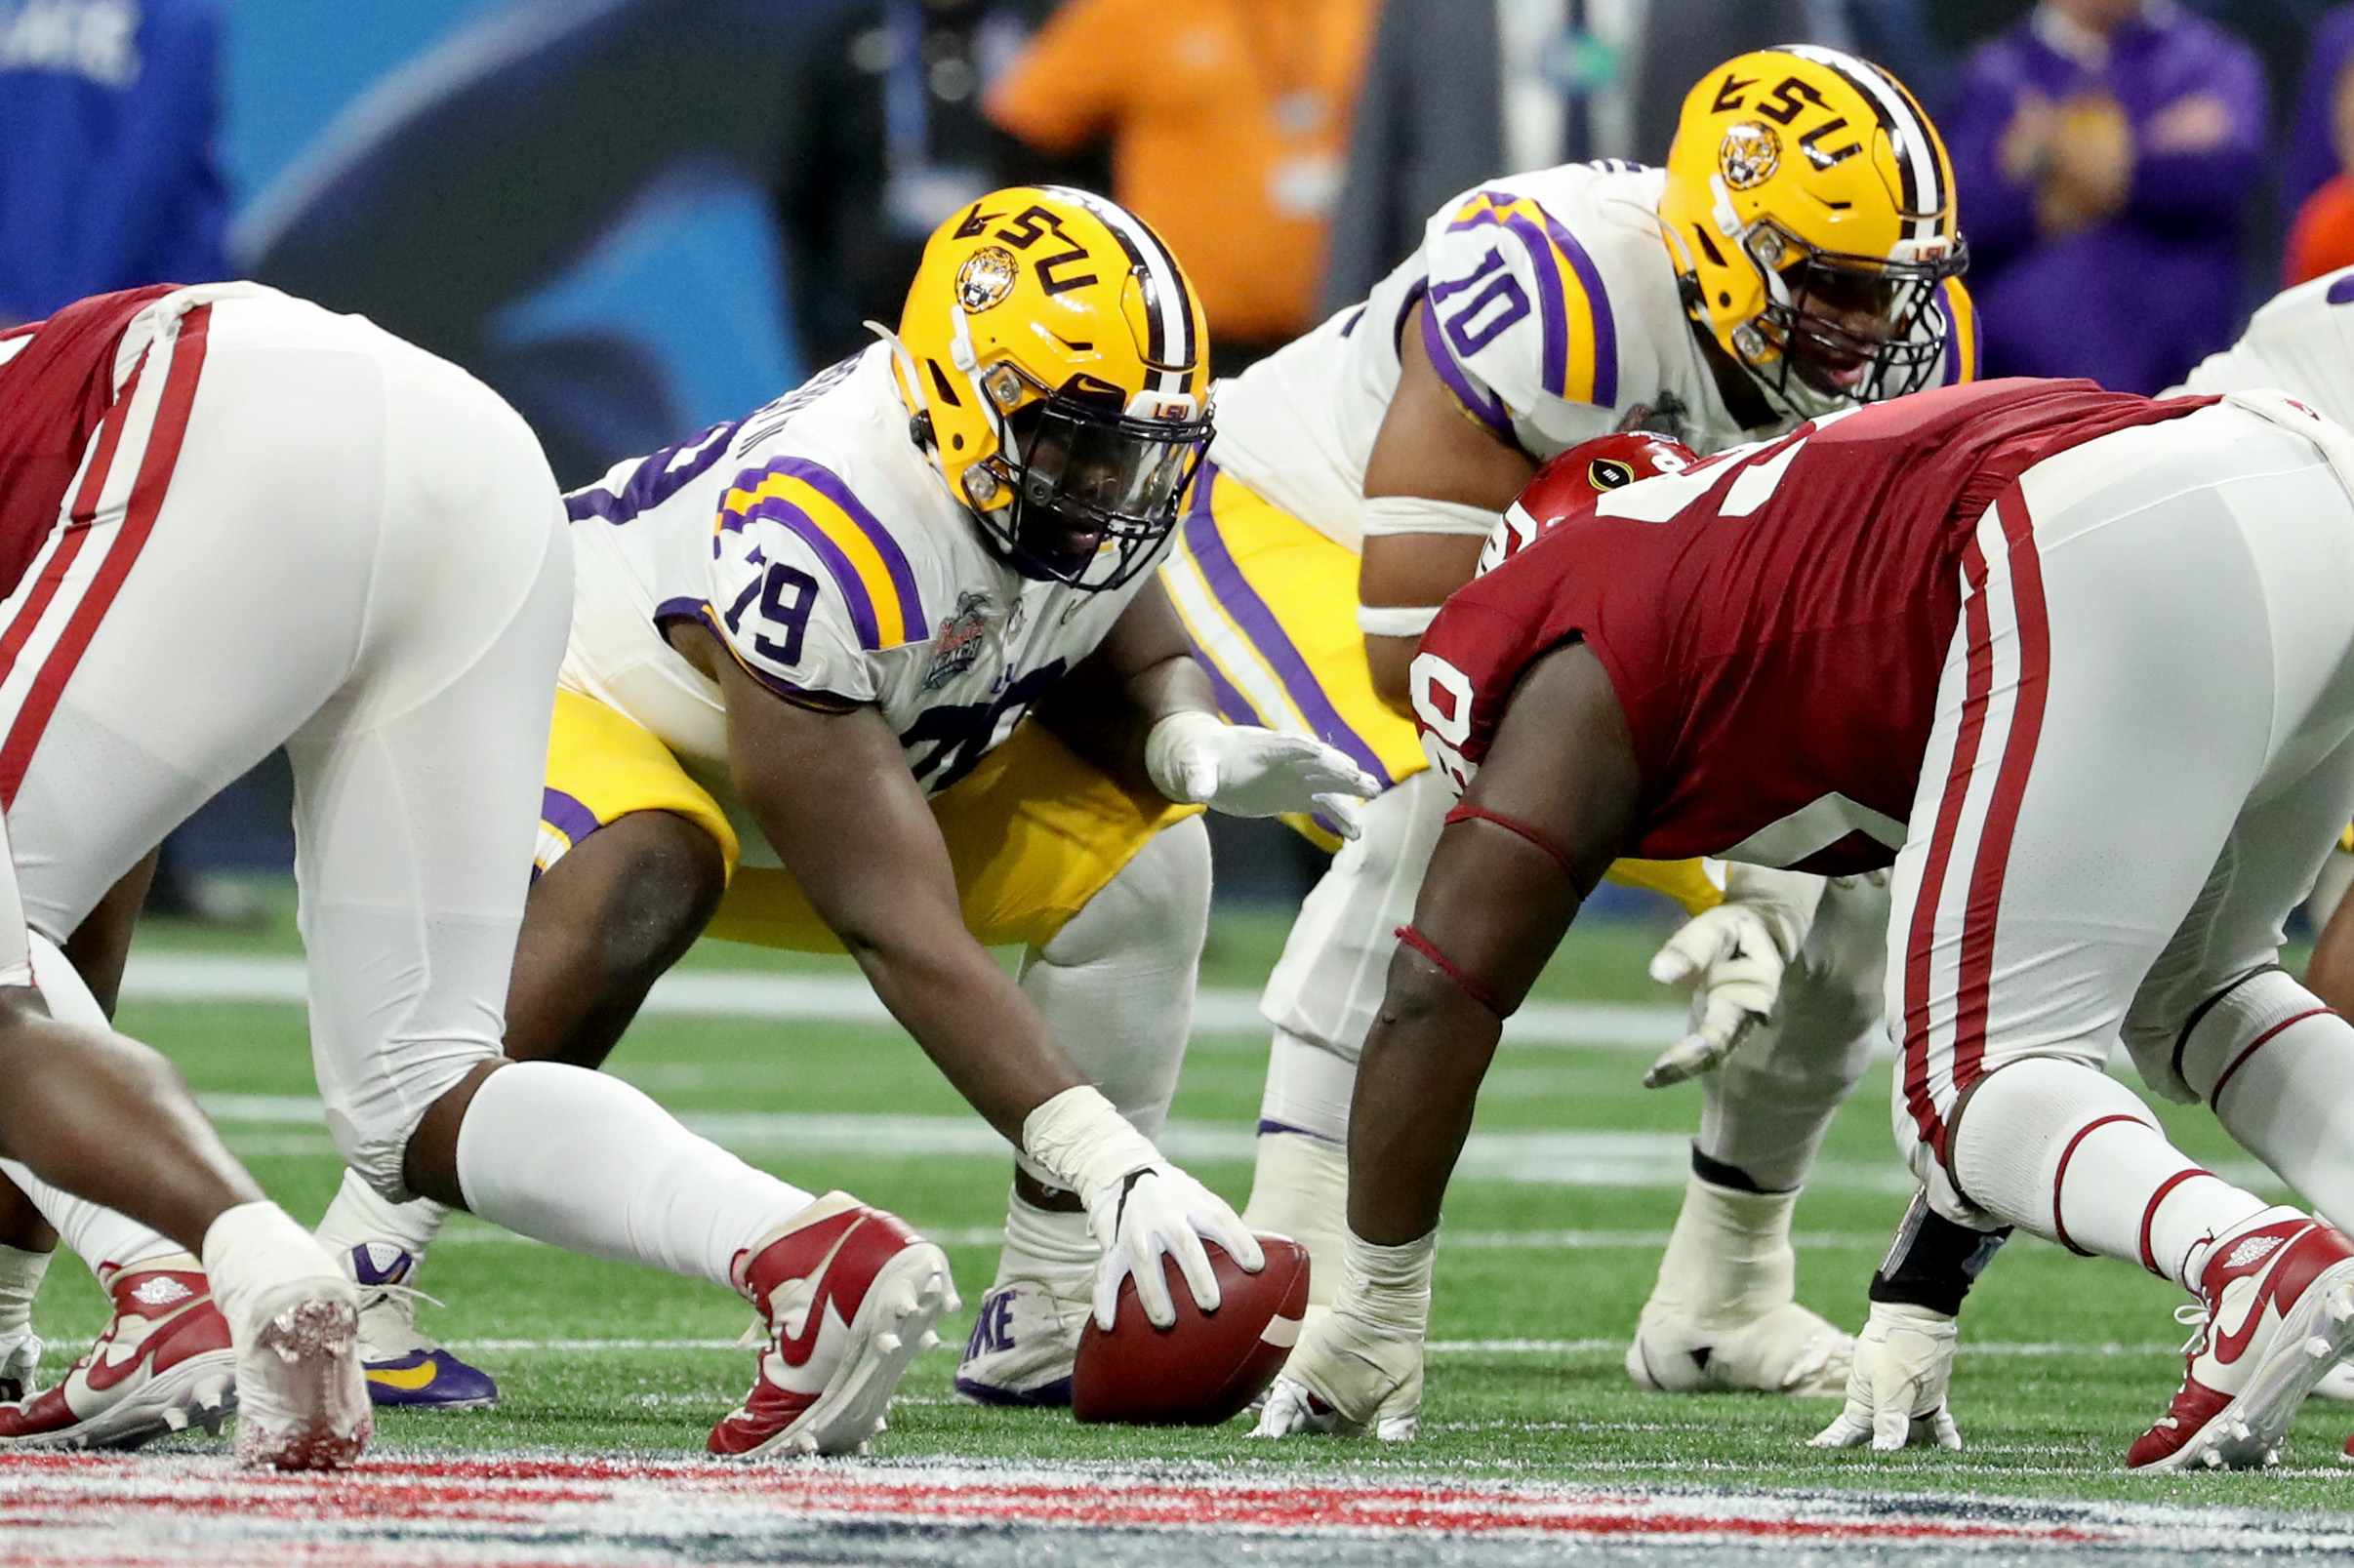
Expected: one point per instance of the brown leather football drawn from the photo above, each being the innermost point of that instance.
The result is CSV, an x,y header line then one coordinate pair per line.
x,y
1206,1367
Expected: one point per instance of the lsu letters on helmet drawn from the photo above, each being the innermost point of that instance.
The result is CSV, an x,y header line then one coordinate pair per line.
x,y
1566,486
1809,206
1055,363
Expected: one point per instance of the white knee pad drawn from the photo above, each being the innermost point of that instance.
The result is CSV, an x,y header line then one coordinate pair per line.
x,y
1328,984
1116,983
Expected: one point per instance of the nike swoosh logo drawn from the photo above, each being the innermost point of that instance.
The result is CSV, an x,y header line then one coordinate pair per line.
x,y
2229,1347
104,1368
406,1378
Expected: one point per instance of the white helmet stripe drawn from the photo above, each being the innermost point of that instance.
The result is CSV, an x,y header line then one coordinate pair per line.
x,y
1166,301
1915,145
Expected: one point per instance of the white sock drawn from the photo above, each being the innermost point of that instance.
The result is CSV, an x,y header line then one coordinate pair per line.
x,y
2277,1067
1307,1090
2068,1153
1048,1245
359,1216
21,1275
1300,1188
254,1250
101,1237
1728,1259
587,1163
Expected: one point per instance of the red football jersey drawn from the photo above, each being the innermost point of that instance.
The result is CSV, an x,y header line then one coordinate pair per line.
x,y
1774,620
53,391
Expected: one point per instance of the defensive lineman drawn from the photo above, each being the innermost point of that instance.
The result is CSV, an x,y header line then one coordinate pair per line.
x,y
793,710
1797,254
288,527
2082,666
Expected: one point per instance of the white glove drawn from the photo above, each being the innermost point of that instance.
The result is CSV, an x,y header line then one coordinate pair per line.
x,y
1896,1388
1139,1206
1738,951
1197,758
1360,1369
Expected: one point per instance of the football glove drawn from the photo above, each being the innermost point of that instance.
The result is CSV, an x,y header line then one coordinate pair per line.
x,y
1897,1387
1139,1206
1359,1370
1735,954
1197,758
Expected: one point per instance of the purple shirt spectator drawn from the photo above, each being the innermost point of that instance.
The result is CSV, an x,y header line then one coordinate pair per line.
x,y
2312,137
2134,284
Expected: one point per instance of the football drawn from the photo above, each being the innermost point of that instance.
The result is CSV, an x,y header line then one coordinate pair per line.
x,y
1206,1367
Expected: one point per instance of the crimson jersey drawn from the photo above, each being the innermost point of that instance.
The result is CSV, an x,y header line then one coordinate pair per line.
x,y
57,383
1774,620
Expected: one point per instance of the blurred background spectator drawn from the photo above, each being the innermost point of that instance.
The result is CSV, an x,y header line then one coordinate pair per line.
x,y
2106,152
1228,122
2314,185
884,138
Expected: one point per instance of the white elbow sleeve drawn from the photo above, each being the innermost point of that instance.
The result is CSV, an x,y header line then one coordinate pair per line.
x,y
1415,514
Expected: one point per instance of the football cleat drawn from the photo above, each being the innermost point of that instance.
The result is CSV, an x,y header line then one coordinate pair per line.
x,y
1025,1343
1722,1314
302,1400
1789,1350
405,1368
848,1295
163,1365
2276,1312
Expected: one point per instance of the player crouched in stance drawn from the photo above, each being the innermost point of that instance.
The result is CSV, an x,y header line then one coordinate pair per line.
x,y
1798,255
794,712
269,525
2081,667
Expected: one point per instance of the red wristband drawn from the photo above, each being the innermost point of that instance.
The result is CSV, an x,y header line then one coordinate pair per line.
x,y
1470,813
1471,987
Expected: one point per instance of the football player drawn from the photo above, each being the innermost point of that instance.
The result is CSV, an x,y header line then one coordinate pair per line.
x,y
2075,664
251,523
885,665
1798,255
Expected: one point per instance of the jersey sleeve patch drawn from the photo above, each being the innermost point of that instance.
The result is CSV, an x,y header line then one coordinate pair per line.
x,y
869,569
1481,291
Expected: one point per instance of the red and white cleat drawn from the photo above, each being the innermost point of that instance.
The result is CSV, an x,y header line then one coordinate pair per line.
x,y
301,1393
2276,1312
849,1295
163,1365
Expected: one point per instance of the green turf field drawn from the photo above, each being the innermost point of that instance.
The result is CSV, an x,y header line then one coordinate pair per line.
x,y
2076,1359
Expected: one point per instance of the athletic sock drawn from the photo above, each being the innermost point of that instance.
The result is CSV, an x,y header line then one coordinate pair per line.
x,y
587,1163
2068,1153
1300,1188
21,1275
1728,1259
97,1235
2277,1067
1048,1245
359,1216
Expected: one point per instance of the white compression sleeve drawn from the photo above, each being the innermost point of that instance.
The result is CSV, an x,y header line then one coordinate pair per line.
x,y
587,1163
1417,514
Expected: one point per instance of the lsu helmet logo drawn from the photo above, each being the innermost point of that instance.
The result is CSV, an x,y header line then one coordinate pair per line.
x,y
1749,155
985,278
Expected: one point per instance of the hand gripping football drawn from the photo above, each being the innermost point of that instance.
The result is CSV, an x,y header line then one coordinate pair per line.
x,y
1206,1367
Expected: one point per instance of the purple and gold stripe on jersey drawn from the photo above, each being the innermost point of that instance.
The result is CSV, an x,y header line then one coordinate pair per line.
x,y
1483,407
865,562
1580,337
1960,334
563,822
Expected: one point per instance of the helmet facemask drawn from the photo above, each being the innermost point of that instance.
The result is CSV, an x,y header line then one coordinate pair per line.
x,y
1837,329
1082,490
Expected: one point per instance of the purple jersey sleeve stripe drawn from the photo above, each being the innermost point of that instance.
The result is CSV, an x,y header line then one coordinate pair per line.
x,y
1553,305
1249,613
1598,312
895,560
1476,400
567,815
844,574
679,610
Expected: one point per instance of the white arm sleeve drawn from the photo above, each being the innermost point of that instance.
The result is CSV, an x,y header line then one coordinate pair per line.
x,y
1415,514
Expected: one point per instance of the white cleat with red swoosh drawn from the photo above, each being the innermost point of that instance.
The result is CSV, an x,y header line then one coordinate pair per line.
x,y
163,1365
2276,1312
849,1295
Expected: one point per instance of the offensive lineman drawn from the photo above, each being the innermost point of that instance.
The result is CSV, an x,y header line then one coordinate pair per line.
x,y
272,525
793,712
2081,666
1798,255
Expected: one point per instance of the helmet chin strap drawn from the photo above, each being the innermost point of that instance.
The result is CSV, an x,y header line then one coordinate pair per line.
x,y
911,376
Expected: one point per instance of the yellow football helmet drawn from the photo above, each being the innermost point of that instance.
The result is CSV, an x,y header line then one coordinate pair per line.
x,y
1055,363
1810,206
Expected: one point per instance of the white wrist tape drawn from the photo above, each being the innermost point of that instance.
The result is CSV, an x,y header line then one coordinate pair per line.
x,y
1389,1287
1396,620
1087,1144
1172,734
1417,514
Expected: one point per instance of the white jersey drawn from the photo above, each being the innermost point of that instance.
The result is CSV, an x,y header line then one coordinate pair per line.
x,y
2301,342
1554,315
822,548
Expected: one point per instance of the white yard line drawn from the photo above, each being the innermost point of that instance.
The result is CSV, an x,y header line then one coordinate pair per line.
x,y
1993,1350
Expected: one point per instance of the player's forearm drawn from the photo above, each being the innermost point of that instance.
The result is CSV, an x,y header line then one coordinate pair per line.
x,y
1416,1088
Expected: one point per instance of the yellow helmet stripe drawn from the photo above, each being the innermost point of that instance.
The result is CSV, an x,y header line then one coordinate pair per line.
x,y
865,562
1170,350
1920,156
